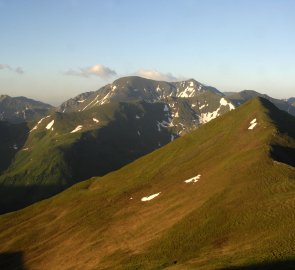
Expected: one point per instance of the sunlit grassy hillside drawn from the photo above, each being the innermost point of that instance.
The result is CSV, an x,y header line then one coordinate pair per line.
x,y
239,213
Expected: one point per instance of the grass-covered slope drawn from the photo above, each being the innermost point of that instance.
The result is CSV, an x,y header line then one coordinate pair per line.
x,y
238,215
63,149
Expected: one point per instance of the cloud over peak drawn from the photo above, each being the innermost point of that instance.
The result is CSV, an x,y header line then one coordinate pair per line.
x,y
156,75
95,70
18,70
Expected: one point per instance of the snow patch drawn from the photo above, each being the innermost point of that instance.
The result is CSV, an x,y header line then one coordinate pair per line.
x,y
105,99
223,102
138,132
166,109
193,179
49,126
231,106
39,122
148,198
79,127
81,101
95,120
253,123
187,92
91,102
207,117
137,117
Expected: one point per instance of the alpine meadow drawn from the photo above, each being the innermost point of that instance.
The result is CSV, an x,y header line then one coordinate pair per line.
x,y
147,135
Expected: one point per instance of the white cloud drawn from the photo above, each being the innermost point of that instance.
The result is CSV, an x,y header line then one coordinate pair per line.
x,y
4,66
156,75
96,70
18,70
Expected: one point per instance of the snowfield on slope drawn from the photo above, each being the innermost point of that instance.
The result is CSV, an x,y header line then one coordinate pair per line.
x,y
224,102
39,122
77,129
253,123
207,117
49,126
148,198
193,179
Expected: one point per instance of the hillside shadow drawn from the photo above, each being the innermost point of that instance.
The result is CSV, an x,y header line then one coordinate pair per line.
x,y
11,136
12,261
285,124
12,197
283,154
282,120
274,265
95,152
115,145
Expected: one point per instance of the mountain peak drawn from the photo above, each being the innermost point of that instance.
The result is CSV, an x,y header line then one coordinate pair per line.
x,y
134,88
20,109
4,96
239,98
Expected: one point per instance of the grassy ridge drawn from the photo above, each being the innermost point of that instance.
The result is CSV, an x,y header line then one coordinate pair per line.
x,y
240,212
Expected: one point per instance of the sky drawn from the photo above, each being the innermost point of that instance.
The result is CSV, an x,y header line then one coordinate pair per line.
x,y
52,50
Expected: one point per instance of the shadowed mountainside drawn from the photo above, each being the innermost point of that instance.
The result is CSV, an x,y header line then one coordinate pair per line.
x,y
12,261
274,265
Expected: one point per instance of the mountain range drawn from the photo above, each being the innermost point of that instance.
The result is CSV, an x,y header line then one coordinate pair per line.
x,y
22,109
190,98
291,100
98,132
64,148
243,96
220,197
189,103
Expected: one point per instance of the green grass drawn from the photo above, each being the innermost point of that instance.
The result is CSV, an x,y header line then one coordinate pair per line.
x,y
240,213
52,160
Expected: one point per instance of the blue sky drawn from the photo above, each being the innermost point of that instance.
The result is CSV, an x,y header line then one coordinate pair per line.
x,y
55,49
